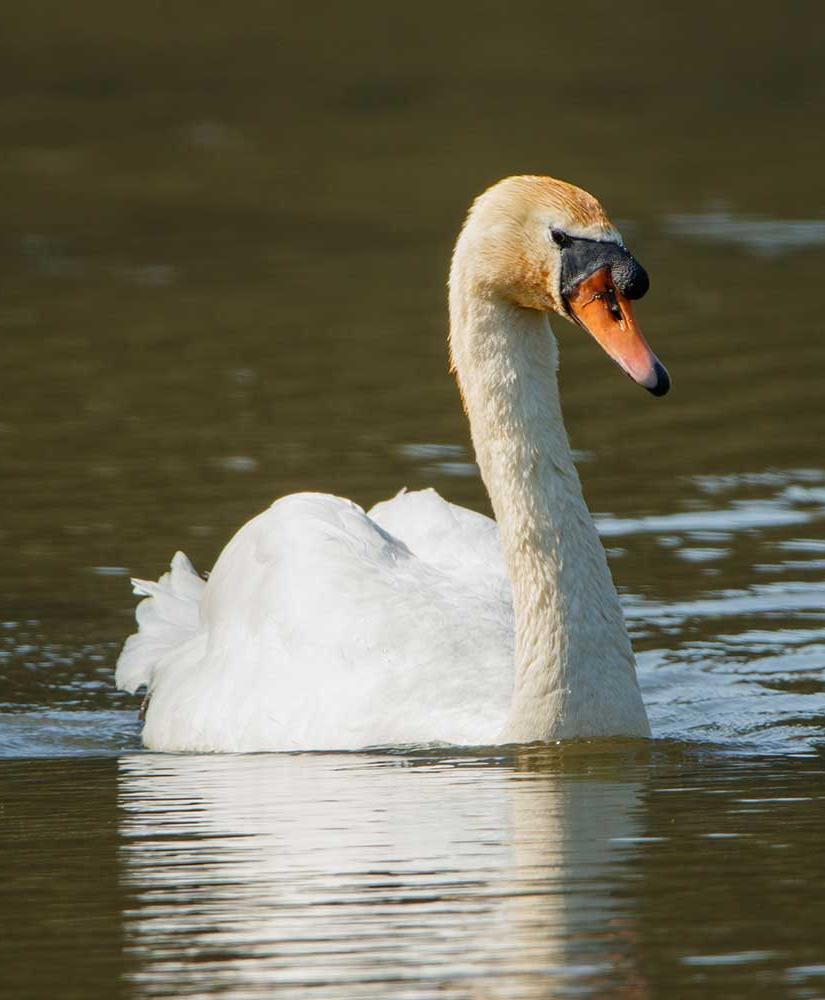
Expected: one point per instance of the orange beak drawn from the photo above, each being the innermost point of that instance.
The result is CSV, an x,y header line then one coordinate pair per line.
x,y
599,307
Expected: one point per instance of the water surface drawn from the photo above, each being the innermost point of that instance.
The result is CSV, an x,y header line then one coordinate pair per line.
x,y
224,246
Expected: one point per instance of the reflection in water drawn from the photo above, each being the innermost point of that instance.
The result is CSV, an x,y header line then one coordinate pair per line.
x,y
378,876
769,237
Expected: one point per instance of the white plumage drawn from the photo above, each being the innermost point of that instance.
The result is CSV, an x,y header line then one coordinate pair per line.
x,y
319,629
325,627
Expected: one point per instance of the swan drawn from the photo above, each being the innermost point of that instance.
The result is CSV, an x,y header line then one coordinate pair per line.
x,y
323,626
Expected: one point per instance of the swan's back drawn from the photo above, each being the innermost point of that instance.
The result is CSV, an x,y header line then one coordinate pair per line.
x,y
461,542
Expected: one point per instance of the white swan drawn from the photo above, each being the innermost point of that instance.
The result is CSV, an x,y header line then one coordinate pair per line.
x,y
325,627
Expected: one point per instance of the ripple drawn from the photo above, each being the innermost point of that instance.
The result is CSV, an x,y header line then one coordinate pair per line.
x,y
729,958
761,236
62,733
740,515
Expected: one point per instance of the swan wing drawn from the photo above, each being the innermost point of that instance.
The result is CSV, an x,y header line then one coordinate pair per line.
x,y
319,628
458,541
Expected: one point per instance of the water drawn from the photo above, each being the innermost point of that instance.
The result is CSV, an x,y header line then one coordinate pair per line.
x,y
224,245
586,871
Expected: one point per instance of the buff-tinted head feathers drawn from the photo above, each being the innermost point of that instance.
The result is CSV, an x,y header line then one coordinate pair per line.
x,y
543,244
509,230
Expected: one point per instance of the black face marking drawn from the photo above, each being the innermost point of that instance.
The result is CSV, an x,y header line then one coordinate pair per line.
x,y
582,257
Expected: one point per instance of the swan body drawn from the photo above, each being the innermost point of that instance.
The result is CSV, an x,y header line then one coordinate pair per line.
x,y
323,626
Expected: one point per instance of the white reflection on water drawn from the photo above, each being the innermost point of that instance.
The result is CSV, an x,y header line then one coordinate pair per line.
x,y
766,237
351,876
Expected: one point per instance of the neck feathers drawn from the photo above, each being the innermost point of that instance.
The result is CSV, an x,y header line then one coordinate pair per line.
x,y
575,673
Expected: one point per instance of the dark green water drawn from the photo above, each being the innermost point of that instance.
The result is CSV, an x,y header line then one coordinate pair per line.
x,y
224,236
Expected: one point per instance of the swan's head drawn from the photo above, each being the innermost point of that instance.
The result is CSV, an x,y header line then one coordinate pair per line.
x,y
543,244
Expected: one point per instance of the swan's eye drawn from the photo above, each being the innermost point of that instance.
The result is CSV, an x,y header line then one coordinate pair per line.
x,y
559,238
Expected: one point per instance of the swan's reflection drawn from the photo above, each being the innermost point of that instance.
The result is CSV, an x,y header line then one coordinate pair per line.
x,y
383,876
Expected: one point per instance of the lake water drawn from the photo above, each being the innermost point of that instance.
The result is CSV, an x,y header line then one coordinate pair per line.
x,y
224,238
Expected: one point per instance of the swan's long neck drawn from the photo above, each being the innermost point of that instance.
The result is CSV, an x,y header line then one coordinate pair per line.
x,y
575,674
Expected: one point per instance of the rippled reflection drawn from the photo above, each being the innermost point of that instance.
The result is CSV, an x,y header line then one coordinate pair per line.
x,y
379,876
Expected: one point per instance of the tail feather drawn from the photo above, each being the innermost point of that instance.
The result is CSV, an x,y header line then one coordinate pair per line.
x,y
167,617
